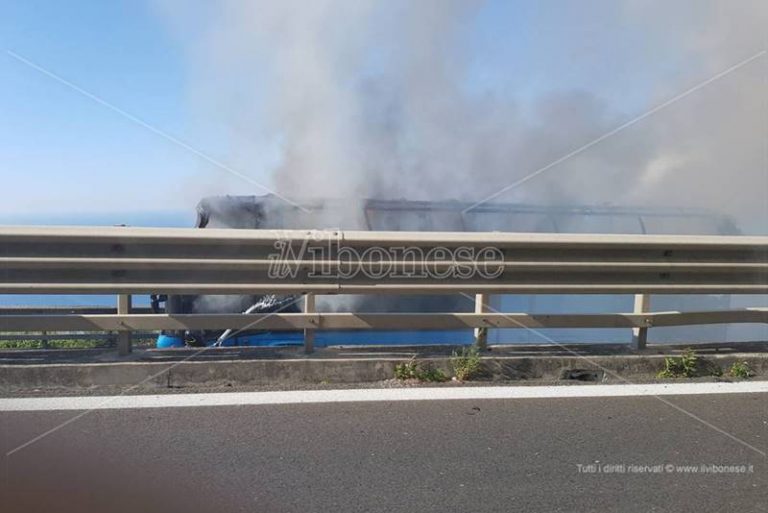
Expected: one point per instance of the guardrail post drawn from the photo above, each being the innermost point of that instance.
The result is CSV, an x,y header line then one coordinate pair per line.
x,y
481,334
640,335
309,334
123,336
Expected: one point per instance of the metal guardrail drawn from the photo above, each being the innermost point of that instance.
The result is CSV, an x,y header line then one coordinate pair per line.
x,y
124,261
218,261
381,321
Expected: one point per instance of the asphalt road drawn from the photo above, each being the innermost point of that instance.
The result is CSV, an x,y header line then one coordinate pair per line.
x,y
410,456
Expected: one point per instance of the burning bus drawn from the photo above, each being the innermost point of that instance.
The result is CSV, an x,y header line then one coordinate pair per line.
x,y
270,212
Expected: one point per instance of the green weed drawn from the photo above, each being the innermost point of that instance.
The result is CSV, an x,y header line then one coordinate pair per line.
x,y
740,370
466,363
685,366
419,371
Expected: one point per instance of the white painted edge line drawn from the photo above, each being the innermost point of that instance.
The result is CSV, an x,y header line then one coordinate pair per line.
x,y
372,395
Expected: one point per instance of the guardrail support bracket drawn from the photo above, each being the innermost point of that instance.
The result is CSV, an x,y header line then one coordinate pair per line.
x,y
640,335
309,334
124,342
482,303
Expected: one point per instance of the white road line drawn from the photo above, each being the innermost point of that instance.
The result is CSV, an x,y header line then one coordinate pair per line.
x,y
371,395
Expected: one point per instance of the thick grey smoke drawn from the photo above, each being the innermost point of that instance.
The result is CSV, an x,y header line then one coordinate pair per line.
x,y
374,98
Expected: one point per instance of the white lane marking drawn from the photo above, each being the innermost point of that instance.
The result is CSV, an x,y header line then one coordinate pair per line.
x,y
371,395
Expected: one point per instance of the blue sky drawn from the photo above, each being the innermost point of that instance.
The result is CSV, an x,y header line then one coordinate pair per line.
x,y
59,150
64,156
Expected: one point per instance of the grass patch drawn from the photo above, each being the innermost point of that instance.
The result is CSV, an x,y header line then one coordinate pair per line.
x,y
688,365
71,343
419,371
466,363
52,344
685,366
740,370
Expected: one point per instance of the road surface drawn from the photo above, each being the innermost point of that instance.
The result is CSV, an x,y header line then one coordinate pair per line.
x,y
478,455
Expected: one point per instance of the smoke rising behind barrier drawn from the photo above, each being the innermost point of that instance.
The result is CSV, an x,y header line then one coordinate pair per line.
x,y
388,99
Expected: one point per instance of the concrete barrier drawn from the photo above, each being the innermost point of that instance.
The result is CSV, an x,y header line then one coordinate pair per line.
x,y
289,371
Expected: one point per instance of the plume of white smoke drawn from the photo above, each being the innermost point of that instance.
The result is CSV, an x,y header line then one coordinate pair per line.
x,y
369,98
